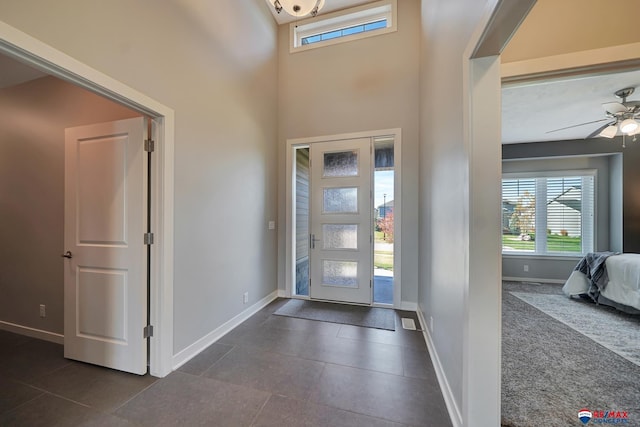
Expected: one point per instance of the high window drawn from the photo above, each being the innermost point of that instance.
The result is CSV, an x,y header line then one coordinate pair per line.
x,y
548,214
356,23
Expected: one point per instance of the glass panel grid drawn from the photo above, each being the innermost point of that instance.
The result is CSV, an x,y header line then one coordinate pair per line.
x,y
343,274
340,200
340,164
340,236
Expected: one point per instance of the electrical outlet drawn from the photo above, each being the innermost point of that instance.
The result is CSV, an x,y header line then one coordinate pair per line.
x,y
272,225
431,323
526,267
43,310
246,297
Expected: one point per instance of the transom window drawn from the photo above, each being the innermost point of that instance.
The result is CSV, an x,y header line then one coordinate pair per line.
x,y
343,32
338,27
552,214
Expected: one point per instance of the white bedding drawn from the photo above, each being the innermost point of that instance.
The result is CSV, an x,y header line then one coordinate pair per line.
x,y
624,281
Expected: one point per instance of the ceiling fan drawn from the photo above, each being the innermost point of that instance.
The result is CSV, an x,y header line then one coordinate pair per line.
x,y
622,117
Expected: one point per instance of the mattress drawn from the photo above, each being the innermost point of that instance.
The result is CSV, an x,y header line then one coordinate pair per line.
x,y
623,286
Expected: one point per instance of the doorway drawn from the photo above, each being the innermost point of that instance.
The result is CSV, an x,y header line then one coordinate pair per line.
x,y
53,62
344,255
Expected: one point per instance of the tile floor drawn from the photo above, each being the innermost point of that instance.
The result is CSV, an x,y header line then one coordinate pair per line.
x,y
269,371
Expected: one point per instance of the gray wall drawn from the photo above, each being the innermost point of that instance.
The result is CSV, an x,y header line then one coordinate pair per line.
x,y
608,213
215,64
33,117
629,173
446,164
362,85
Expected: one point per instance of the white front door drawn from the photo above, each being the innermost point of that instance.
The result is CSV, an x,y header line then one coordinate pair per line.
x,y
341,230
105,283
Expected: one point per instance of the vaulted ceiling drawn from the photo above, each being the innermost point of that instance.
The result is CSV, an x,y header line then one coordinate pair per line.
x,y
530,109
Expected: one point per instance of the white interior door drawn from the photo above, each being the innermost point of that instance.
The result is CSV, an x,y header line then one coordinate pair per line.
x,y
341,230
105,291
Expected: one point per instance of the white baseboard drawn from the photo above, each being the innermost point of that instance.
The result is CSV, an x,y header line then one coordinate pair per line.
x,y
534,279
32,332
282,293
194,349
449,400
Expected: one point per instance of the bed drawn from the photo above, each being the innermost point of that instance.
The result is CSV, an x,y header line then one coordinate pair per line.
x,y
619,282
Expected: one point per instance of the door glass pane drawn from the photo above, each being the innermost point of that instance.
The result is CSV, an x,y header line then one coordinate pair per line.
x,y
340,200
302,220
340,236
343,163
340,273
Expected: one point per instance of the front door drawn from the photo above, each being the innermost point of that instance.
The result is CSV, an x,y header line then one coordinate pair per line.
x,y
105,293
341,232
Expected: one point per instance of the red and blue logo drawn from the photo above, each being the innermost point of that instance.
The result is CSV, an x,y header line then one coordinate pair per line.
x,y
603,417
585,415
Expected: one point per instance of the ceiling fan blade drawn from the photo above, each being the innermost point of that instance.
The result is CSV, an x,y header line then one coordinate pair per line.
x,y
600,129
614,108
575,126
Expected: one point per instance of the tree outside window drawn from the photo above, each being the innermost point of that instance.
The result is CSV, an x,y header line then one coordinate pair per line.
x,y
523,219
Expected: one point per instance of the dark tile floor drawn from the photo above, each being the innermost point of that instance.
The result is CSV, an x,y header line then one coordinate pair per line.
x,y
269,371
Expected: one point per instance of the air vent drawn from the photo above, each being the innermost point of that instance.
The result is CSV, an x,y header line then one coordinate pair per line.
x,y
409,324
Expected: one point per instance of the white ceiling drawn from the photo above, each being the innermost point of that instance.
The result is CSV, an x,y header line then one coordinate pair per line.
x,y
530,111
329,6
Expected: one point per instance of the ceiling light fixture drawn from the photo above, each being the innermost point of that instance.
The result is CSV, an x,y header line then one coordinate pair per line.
x,y
609,131
628,126
298,8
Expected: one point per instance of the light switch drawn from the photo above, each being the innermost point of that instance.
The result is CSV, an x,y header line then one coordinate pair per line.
x,y
272,225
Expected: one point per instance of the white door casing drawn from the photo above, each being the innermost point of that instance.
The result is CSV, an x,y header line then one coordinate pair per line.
x,y
340,221
105,289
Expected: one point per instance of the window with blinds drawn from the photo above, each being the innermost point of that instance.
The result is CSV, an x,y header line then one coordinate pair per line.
x,y
548,215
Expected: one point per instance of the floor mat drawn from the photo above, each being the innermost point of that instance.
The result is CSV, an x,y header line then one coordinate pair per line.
x,y
368,317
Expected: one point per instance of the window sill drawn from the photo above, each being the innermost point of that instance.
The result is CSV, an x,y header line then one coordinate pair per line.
x,y
548,257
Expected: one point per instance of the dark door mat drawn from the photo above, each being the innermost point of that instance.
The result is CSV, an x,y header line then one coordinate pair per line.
x,y
368,317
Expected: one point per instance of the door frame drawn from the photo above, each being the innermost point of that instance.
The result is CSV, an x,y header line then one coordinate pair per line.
x,y
290,235
22,47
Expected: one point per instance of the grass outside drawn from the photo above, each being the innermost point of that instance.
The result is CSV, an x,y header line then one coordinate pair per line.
x,y
382,259
555,243
379,237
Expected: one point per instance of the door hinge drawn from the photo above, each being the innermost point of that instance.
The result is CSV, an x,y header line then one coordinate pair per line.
x,y
370,283
149,145
147,331
148,238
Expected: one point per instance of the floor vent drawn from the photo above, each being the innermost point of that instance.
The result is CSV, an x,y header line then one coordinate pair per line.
x,y
408,324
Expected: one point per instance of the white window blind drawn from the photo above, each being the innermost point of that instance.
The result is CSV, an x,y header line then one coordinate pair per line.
x,y
548,215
